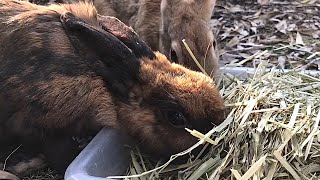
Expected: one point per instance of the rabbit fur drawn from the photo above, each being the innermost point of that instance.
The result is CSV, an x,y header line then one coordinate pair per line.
x,y
66,71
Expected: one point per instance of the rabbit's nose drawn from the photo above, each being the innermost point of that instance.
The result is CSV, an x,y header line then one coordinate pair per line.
x,y
226,113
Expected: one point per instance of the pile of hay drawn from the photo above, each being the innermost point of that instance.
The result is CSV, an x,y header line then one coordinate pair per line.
x,y
272,132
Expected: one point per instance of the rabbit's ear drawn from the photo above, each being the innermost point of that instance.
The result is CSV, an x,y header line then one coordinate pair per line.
x,y
105,54
127,35
206,8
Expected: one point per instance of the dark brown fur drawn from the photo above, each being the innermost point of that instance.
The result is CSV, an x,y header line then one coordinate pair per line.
x,y
67,71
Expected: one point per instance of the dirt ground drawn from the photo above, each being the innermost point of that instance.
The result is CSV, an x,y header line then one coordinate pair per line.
x,y
285,32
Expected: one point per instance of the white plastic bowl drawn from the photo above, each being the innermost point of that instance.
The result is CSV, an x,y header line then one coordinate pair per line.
x,y
105,155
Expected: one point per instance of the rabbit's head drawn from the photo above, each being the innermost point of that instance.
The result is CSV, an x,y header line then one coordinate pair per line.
x,y
168,99
163,100
188,19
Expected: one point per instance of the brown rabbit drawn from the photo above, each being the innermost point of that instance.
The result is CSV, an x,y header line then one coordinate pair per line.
x,y
66,71
162,24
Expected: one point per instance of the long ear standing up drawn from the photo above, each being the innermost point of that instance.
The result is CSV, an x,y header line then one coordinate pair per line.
x,y
127,35
206,8
166,15
119,67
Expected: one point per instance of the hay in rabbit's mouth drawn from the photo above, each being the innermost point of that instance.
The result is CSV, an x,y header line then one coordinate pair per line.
x,y
272,132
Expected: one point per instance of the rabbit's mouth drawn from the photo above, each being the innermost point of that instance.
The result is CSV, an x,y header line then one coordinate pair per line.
x,y
161,145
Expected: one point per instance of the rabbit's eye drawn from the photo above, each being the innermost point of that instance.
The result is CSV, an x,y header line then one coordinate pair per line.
x,y
176,119
173,56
